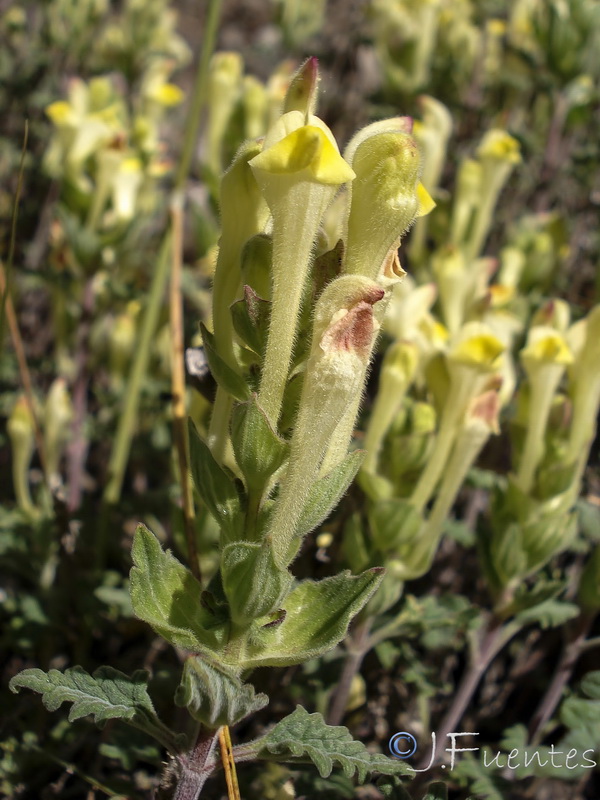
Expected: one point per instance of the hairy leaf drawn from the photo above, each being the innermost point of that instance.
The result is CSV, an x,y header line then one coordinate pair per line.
x,y
214,696
302,737
214,485
167,596
317,615
549,614
254,585
259,451
250,317
327,492
590,685
224,375
107,694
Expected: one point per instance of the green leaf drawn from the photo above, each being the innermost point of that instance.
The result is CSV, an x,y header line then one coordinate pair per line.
x,y
590,685
302,737
258,450
393,523
549,614
589,585
107,694
507,554
317,615
251,320
391,788
167,596
327,492
589,519
436,791
254,585
214,696
526,598
482,781
214,486
224,375
577,712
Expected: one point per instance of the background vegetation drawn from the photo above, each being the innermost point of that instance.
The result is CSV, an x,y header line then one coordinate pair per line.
x,y
492,626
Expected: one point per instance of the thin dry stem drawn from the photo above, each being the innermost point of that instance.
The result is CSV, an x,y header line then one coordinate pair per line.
x,y
233,789
178,385
15,335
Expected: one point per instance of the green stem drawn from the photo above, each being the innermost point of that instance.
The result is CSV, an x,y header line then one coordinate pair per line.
x,y
127,420
126,426
540,403
387,404
494,178
443,444
200,92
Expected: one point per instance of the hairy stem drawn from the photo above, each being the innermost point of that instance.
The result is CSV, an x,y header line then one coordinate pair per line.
x,y
195,766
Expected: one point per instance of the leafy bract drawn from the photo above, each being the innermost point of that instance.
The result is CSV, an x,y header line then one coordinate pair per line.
x,y
215,696
224,375
214,485
317,615
259,451
107,694
327,492
302,737
254,585
167,596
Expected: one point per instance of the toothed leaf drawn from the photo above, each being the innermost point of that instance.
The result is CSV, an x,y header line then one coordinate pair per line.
x,y
107,694
302,737
167,596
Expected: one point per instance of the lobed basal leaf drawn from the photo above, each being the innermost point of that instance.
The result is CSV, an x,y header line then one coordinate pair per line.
x,y
107,694
302,737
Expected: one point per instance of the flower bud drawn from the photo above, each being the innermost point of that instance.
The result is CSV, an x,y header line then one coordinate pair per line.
x,y
254,99
224,88
302,92
387,196
21,431
554,313
468,190
454,285
343,333
58,415
432,134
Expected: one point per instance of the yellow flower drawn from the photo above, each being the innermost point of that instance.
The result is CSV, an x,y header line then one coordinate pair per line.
x,y
306,153
499,145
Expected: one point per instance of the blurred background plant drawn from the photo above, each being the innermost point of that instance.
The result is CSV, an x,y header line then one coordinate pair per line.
x,y
480,413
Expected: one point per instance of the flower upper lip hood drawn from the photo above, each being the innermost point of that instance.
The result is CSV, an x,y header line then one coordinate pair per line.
x,y
307,153
477,347
546,346
499,145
